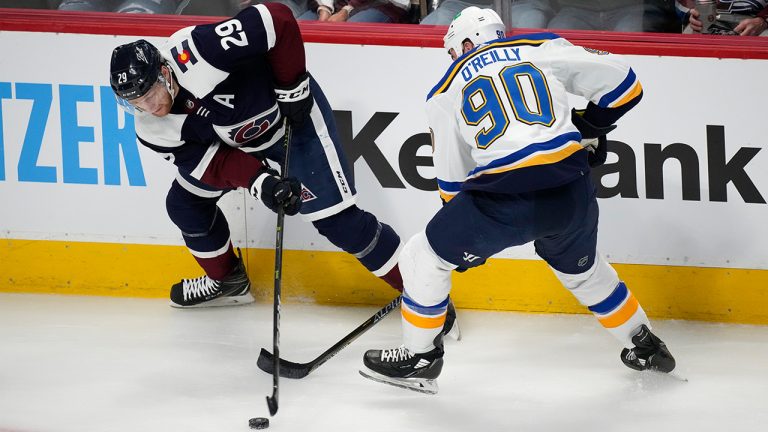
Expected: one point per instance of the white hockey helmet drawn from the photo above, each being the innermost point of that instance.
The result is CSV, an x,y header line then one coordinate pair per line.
x,y
477,25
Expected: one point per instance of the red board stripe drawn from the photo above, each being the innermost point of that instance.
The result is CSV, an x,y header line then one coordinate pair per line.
x,y
37,20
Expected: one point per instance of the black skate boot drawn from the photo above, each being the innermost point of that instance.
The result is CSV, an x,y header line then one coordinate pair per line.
x,y
649,353
451,326
401,368
235,289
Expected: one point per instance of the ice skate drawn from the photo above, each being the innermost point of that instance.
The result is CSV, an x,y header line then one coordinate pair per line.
x,y
649,353
451,327
235,289
401,368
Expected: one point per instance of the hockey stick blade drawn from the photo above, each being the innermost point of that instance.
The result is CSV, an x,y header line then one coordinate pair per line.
x,y
288,369
272,405
293,370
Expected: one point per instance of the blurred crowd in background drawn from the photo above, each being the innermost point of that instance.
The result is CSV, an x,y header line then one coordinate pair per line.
x,y
724,17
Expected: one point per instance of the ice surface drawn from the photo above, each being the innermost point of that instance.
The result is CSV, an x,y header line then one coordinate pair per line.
x,y
91,364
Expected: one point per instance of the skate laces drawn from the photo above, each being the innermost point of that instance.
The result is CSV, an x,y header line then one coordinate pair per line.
x,y
396,354
199,287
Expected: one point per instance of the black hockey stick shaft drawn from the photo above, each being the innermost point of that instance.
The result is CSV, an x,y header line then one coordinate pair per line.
x,y
272,401
288,369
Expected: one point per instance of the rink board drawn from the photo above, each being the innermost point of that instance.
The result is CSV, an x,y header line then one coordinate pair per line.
x,y
682,196
707,294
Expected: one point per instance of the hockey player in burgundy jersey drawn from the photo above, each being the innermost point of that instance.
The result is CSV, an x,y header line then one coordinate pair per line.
x,y
212,101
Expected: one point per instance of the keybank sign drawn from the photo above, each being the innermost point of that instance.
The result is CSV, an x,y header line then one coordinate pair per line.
x,y
120,149
721,169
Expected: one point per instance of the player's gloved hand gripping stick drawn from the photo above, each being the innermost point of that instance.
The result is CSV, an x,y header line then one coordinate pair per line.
x,y
295,101
593,137
277,193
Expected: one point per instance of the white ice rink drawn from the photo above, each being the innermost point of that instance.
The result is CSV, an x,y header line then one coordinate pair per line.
x,y
89,364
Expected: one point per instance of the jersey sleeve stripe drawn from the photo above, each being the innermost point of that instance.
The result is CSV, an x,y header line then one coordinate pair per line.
x,y
448,190
452,187
531,40
269,25
616,94
630,96
446,196
199,170
547,152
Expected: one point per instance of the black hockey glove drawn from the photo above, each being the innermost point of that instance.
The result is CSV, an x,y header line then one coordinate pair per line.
x,y
593,138
295,101
275,192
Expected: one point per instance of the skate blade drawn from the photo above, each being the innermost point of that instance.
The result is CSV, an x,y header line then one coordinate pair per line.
x,y
672,374
221,301
421,385
455,332
655,372
678,377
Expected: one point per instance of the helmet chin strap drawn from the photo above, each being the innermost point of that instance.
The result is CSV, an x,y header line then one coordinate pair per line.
x,y
168,84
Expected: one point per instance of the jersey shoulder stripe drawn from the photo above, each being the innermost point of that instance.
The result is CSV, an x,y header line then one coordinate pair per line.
x,y
532,39
189,64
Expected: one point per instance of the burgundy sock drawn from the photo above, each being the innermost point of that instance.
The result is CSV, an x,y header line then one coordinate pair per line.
x,y
219,267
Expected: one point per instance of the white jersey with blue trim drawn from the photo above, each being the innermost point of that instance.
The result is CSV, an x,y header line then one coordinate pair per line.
x,y
500,118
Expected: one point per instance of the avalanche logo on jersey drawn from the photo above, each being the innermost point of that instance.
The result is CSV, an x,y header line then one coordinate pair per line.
x,y
239,134
306,194
185,56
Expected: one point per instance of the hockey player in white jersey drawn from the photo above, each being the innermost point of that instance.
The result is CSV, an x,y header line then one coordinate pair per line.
x,y
512,160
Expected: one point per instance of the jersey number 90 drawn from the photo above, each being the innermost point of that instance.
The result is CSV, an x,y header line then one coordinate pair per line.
x,y
528,94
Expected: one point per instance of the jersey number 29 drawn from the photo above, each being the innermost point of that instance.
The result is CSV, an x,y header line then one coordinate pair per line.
x,y
231,32
528,94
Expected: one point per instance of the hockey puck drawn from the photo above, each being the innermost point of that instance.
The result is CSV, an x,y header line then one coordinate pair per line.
x,y
258,423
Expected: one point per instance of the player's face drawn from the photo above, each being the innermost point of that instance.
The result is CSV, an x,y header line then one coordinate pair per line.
x,y
466,47
157,101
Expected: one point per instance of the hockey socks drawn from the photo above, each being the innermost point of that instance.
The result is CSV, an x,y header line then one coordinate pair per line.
x,y
373,243
620,313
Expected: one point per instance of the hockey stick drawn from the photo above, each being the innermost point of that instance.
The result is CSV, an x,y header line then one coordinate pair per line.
x,y
287,369
279,230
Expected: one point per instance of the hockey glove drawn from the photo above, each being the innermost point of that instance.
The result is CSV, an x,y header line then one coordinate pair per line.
x,y
593,138
295,101
276,192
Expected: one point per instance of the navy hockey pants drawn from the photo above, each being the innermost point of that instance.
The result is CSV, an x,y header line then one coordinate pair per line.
x,y
328,195
561,222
